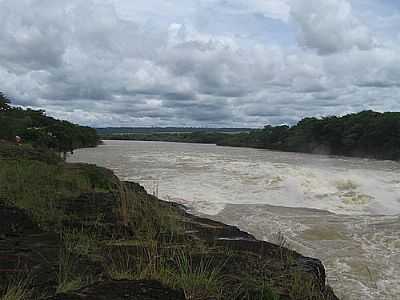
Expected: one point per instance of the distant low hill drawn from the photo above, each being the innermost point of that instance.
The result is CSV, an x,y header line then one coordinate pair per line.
x,y
150,130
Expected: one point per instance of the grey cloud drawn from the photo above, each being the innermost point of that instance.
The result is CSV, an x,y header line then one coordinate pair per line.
x,y
204,112
82,61
180,96
29,41
329,26
379,84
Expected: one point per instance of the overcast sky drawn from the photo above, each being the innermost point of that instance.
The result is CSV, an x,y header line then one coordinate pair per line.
x,y
200,62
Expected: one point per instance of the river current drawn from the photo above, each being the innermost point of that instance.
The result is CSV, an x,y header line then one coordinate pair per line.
x,y
344,211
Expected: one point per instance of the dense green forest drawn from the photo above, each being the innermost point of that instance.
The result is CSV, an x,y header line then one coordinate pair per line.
x,y
188,137
152,130
366,134
35,128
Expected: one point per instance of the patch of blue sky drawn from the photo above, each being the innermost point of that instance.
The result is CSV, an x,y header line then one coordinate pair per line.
x,y
252,27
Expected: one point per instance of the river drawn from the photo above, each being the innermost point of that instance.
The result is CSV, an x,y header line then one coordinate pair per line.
x,y
344,211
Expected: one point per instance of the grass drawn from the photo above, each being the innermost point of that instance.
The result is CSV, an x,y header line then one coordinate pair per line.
x,y
121,266
201,280
68,278
253,289
280,239
18,289
80,241
152,220
285,253
302,288
138,263
259,286
39,186
266,292
159,227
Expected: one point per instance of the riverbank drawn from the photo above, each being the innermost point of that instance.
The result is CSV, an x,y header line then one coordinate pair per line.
x,y
366,134
78,229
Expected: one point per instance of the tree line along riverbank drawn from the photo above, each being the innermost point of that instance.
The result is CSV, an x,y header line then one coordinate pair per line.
x,y
33,127
366,134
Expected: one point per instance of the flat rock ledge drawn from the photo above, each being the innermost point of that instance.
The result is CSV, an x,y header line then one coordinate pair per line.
x,y
123,290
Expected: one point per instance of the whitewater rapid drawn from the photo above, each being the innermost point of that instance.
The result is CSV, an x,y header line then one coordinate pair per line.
x,y
345,211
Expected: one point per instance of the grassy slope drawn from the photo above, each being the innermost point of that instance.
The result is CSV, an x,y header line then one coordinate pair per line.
x,y
89,226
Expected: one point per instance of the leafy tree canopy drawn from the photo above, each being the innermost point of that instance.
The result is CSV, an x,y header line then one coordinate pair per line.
x,y
34,127
4,101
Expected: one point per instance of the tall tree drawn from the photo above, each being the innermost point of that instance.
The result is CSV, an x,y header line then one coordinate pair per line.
x,y
4,101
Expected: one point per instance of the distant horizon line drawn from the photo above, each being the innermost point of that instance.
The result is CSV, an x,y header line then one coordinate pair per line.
x,y
196,127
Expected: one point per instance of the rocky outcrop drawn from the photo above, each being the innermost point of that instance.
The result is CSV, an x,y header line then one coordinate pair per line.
x,y
24,248
123,290
14,222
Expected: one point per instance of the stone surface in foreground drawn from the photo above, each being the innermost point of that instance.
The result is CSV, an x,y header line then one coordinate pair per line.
x,y
123,290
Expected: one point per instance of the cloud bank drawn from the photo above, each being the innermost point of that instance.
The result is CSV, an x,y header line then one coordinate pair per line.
x,y
199,63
